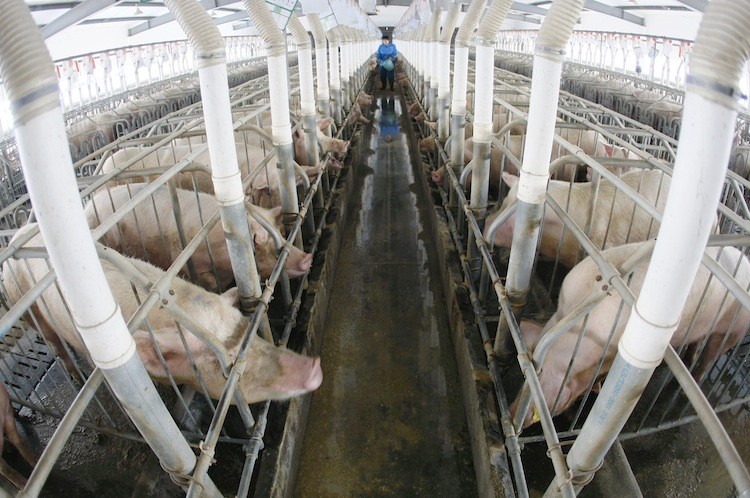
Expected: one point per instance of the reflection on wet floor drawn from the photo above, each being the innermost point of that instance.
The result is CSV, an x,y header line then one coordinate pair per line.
x,y
388,419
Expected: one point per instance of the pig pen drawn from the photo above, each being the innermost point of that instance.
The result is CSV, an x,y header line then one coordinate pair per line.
x,y
664,448
90,446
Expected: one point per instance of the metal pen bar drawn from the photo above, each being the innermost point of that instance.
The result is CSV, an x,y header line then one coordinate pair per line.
x,y
726,449
55,446
207,448
511,438
558,459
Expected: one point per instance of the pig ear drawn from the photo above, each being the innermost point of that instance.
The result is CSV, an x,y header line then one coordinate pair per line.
x,y
171,348
260,236
597,387
232,297
531,332
609,150
275,213
324,123
510,180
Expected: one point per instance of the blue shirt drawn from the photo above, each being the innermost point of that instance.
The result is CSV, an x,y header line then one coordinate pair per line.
x,y
386,51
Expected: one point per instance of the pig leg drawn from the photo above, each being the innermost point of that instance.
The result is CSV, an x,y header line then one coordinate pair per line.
x,y
715,347
11,432
12,475
54,342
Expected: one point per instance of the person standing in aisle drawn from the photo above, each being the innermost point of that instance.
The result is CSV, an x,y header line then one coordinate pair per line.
x,y
387,56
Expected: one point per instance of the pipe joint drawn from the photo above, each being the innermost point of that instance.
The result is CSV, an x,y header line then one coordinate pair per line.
x,y
228,189
714,90
553,53
643,343
107,346
532,188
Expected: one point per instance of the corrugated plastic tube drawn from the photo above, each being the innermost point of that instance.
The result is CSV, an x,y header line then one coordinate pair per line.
x,y
321,64
278,87
712,88
209,48
31,86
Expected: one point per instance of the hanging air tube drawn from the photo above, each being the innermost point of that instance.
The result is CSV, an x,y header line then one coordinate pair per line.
x,y
31,86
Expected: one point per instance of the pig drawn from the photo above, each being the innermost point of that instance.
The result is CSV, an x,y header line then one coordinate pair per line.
x,y
9,430
612,223
496,159
364,99
272,372
335,146
356,116
91,133
372,64
415,109
498,122
585,139
247,156
170,155
264,190
725,331
140,234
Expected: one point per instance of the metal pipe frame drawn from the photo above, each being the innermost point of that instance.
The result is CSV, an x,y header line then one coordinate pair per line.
x,y
256,443
737,291
207,447
79,406
527,367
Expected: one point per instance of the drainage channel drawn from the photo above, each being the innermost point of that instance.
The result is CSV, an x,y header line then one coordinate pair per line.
x,y
388,420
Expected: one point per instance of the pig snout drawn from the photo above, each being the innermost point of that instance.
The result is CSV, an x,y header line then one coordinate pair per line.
x,y
300,374
335,163
427,144
298,263
437,176
278,373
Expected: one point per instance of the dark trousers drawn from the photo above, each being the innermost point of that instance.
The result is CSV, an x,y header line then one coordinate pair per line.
x,y
386,74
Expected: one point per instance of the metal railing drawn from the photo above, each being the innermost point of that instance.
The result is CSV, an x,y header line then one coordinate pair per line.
x,y
103,179
573,212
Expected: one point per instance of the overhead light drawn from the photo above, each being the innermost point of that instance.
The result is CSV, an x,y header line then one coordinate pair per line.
x,y
138,11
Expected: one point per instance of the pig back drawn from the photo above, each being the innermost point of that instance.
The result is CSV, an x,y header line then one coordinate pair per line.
x,y
149,231
616,220
709,311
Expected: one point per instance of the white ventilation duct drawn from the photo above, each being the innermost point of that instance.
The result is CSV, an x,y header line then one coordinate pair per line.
x,y
209,49
31,87
721,49
278,86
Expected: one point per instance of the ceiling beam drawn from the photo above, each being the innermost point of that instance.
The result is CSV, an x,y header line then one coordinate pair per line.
x,y
524,18
531,9
166,18
613,11
398,3
699,5
76,14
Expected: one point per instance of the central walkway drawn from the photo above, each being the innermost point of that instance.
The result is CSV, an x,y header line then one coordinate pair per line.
x,y
388,419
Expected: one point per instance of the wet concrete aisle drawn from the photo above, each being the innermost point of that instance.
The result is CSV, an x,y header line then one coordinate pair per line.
x,y
388,419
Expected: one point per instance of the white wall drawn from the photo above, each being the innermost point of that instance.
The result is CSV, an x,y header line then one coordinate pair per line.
x,y
84,39
670,24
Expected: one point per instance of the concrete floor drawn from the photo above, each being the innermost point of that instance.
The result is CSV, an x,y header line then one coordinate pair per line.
x,y
388,419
